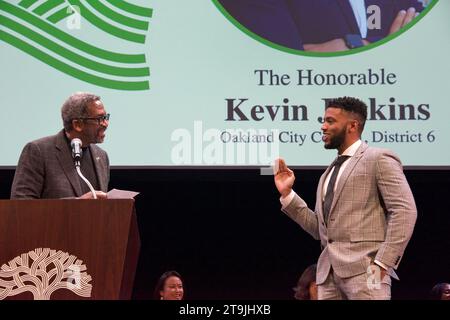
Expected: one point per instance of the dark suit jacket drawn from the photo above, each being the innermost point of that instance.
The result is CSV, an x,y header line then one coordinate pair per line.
x,y
324,20
270,19
293,23
46,170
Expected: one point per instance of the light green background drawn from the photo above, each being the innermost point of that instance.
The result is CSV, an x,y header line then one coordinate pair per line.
x,y
197,58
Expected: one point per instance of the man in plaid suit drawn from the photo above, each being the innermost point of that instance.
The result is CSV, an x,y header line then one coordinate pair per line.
x,y
365,211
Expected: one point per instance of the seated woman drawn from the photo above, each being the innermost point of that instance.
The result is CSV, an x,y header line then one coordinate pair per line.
x,y
169,287
306,288
441,291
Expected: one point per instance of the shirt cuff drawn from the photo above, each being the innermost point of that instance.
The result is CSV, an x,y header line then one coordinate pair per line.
x,y
381,264
287,200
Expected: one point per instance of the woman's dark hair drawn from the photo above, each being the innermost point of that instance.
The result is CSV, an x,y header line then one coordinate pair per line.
x,y
162,281
436,292
308,276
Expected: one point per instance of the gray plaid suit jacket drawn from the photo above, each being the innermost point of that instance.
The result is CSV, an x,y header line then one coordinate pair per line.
x,y
46,170
372,215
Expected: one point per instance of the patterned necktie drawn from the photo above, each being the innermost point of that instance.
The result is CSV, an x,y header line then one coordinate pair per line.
x,y
330,189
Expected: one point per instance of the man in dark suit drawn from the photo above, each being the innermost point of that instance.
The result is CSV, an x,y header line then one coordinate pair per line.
x,y
323,25
269,19
46,168
329,25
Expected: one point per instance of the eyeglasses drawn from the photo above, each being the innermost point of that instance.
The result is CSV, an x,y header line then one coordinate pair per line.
x,y
98,119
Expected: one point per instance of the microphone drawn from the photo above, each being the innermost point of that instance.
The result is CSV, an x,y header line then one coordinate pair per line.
x,y
76,155
76,150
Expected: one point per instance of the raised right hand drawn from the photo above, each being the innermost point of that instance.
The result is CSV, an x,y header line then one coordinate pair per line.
x,y
284,178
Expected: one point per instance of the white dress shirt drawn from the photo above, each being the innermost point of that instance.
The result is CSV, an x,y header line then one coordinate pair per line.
x,y
350,151
359,10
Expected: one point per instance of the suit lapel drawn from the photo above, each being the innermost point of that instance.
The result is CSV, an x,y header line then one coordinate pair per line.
x,y
349,16
99,168
346,173
66,162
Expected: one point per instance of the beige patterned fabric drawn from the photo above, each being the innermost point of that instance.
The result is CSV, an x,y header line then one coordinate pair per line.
x,y
372,215
354,288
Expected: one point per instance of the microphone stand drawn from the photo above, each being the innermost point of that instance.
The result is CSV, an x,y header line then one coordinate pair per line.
x,y
77,166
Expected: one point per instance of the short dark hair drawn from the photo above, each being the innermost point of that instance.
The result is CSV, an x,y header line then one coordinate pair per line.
x,y
308,276
162,281
436,292
352,105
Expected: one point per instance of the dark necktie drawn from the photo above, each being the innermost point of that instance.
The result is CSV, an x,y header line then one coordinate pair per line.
x,y
330,189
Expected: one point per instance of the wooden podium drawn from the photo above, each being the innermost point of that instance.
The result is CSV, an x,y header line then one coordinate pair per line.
x,y
68,249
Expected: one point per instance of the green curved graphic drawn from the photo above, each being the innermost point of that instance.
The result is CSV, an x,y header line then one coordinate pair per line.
x,y
60,15
60,50
27,3
61,66
47,6
109,28
132,8
18,18
321,54
120,18
74,42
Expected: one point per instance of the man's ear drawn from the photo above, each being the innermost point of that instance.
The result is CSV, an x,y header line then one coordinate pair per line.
x,y
77,125
354,125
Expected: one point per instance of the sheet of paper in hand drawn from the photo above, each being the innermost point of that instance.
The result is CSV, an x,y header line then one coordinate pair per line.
x,y
121,194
